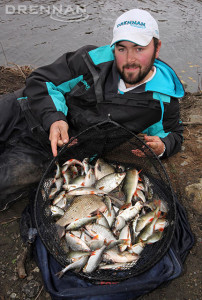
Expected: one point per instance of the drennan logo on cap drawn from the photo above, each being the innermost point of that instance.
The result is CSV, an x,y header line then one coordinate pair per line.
x,y
133,23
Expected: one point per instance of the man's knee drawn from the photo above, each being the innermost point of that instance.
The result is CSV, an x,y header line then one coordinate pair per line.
x,y
18,174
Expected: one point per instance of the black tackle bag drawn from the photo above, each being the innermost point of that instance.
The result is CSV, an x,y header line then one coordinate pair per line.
x,y
71,286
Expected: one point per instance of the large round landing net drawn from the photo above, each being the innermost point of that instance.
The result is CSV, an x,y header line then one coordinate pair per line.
x,y
113,143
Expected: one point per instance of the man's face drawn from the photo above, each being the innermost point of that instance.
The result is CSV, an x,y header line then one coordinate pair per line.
x,y
135,62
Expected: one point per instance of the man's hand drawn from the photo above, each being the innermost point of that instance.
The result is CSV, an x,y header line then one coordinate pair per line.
x,y
58,135
155,143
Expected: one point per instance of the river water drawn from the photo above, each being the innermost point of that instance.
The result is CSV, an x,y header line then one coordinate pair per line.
x,y
38,32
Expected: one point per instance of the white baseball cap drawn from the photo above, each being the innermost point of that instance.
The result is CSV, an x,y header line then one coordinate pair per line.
x,y
136,26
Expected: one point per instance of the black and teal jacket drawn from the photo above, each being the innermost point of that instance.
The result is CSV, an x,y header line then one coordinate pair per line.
x,y
81,88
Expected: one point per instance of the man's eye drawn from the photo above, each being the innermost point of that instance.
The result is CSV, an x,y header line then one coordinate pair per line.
x,y
121,49
139,49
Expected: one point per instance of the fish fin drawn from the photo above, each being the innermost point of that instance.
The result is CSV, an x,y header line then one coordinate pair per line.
x,y
95,213
158,214
107,243
96,237
135,194
125,241
101,188
60,230
161,229
99,214
125,206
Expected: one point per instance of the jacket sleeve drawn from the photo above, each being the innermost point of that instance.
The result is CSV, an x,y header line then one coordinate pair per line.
x,y
47,86
46,99
169,128
173,127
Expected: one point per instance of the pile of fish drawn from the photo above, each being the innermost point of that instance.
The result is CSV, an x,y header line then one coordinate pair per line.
x,y
105,213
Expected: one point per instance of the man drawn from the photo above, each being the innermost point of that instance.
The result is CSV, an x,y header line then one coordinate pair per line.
x,y
125,80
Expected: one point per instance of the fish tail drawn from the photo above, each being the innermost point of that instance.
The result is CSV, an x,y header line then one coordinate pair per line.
x,y
59,274
158,214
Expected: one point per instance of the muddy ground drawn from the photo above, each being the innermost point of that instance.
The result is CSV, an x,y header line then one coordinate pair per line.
x,y
185,173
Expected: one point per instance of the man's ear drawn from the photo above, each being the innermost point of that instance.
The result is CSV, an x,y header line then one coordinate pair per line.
x,y
158,49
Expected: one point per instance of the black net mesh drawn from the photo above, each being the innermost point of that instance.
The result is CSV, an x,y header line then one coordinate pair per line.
x,y
113,143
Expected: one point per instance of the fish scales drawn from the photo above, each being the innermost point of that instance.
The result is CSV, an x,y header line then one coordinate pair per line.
x,y
82,206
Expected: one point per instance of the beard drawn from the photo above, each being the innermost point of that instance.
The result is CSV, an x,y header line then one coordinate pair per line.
x,y
129,78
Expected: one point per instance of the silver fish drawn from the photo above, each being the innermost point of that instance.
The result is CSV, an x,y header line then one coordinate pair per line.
x,y
76,183
102,169
130,184
76,243
77,233
150,193
112,244
148,187
58,183
130,212
95,244
86,191
109,182
102,220
71,162
125,235
101,232
137,248
82,206
110,217
163,205
155,237
134,224
58,171
75,171
119,223
161,224
67,176
140,186
147,231
80,263
115,266
79,180
86,165
62,203
59,197
53,192
94,260
113,255
146,219
80,222
89,178
56,211
139,196
108,203
75,255
84,237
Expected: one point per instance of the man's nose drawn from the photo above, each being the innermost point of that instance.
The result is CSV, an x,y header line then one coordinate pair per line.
x,y
131,58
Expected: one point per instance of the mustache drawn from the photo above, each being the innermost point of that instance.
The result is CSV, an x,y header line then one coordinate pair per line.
x,y
128,66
